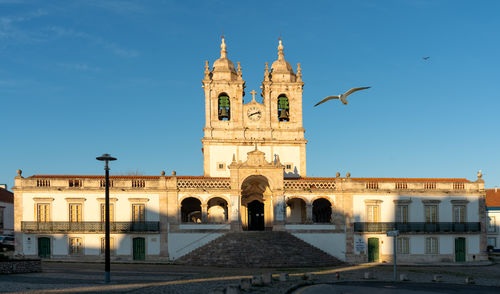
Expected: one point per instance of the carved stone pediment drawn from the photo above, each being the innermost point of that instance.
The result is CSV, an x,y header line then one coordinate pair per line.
x,y
255,158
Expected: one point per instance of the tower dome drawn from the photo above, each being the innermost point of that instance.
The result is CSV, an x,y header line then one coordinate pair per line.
x,y
223,68
281,70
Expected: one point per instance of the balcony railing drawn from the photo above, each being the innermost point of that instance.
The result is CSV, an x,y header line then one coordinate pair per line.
x,y
89,227
413,227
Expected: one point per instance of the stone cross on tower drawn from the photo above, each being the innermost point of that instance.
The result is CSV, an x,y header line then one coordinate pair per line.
x,y
253,95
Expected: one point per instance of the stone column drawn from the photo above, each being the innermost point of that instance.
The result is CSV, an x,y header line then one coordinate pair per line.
x,y
18,213
483,219
164,226
204,213
279,212
234,215
173,206
309,213
347,207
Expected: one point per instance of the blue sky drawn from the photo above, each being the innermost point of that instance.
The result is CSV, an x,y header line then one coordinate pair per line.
x,y
81,78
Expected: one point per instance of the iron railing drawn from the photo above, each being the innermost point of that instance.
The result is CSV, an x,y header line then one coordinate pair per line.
x,y
415,227
89,227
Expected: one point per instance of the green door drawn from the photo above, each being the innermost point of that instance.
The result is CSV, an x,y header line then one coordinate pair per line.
x,y
372,249
44,247
460,249
139,248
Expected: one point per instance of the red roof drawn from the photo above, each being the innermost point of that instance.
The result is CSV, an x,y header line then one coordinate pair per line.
x,y
385,179
6,196
448,180
492,197
120,177
95,177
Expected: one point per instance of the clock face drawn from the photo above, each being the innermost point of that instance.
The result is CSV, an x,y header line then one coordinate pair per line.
x,y
254,113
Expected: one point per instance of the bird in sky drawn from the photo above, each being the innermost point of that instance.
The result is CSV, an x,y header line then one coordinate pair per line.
x,y
342,97
425,58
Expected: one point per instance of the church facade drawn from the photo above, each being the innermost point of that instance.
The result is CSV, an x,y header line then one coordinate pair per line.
x,y
254,163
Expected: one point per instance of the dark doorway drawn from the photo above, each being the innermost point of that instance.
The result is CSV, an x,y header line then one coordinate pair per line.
x,y
255,216
322,211
139,248
372,249
460,249
44,247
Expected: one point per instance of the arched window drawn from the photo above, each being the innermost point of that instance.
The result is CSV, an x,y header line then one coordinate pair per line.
x,y
224,107
322,211
191,210
283,108
217,210
296,211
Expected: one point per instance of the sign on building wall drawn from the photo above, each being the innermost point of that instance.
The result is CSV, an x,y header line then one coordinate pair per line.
x,y
360,245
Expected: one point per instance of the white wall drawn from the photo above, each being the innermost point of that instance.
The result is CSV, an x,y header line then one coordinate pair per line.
x,y
180,244
91,206
8,217
333,244
415,208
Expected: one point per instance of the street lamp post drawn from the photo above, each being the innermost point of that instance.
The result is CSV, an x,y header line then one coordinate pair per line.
x,y
106,158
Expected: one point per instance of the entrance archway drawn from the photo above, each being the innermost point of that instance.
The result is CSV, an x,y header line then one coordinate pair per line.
x,y
255,216
256,210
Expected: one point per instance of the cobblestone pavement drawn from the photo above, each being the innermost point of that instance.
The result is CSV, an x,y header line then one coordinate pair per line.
x,y
157,278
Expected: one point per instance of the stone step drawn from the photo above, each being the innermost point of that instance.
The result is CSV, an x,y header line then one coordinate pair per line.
x,y
258,249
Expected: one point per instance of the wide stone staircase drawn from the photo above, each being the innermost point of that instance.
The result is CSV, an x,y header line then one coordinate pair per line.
x,y
258,249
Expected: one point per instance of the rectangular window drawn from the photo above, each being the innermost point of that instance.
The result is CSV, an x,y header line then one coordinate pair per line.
x,y
402,214
75,245
373,213
75,183
492,242
102,183
1,216
431,246
138,212
221,166
403,245
111,245
43,212
75,212
111,212
43,183
138,183
459,214
431,214
491,224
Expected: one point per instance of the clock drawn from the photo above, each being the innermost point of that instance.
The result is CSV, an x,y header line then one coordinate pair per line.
x,y
254,113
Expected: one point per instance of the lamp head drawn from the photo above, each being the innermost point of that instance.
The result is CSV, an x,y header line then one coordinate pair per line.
x,y
105,157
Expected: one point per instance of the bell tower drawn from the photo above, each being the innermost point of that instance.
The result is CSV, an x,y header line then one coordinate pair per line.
x,y
224,89
232,128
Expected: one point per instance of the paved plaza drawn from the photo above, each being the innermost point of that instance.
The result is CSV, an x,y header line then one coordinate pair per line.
x,y
162,278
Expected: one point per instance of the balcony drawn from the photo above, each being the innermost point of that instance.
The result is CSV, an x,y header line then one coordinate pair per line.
x,y
414,227
89,227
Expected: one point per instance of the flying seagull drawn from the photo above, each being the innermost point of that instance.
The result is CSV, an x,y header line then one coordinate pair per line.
x,y
342,97
425,58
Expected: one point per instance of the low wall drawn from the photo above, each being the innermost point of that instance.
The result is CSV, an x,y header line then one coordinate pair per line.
x,y
14,266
